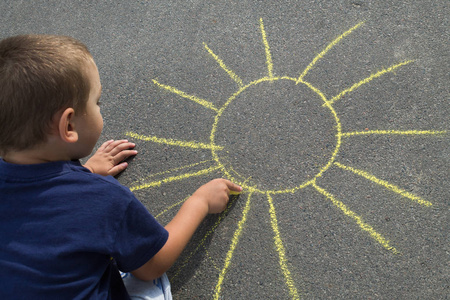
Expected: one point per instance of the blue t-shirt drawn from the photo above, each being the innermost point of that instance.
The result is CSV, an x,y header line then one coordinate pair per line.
x,y
65,232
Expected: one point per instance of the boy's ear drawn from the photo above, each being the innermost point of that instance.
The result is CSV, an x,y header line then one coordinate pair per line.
x,y
66,126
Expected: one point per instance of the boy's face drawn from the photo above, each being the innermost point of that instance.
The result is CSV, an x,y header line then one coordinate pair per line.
x,y
90,124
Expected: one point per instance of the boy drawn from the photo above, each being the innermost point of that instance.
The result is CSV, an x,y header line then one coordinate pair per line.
x,y
64,230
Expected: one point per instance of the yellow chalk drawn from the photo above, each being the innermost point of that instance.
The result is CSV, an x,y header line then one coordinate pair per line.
x,y
324,51
171,171
266,49
363,225
234,243
396,132
386,184
281,250
200,101
154,139
223,66
174,178
368,79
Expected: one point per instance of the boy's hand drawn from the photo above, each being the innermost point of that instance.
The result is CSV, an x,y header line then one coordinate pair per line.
x,y
210,198
216,194
108,160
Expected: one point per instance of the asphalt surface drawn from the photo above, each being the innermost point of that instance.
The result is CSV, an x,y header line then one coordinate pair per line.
x,y
357,217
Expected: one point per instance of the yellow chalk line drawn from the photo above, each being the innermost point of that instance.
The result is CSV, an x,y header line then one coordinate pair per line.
x,y
175,178
234,242
211,259
267,49
364,226
223,66
368,79
202,242
386,184
171,142
322,54
399,132
171,171
226,170
281,250
170,207
200,101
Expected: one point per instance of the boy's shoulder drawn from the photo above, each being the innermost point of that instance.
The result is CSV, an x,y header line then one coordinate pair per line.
x,y
60,177
76,169
64,192
42,171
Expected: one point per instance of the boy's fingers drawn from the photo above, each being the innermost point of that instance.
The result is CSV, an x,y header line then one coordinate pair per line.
x,y
121,147
124,155
114,144
234,188
117,169
104,145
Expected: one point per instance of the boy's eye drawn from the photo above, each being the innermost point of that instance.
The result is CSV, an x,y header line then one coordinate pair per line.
x,y
99,103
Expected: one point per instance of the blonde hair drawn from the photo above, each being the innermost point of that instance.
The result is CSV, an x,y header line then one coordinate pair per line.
x,y
40,75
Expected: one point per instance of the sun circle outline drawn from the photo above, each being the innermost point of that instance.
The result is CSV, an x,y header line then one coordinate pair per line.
x,y
306,183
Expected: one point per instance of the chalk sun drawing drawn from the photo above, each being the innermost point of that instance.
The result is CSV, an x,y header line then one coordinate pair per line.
x,y
222,158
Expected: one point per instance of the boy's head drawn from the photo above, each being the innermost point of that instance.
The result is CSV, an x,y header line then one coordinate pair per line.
x,y
40,76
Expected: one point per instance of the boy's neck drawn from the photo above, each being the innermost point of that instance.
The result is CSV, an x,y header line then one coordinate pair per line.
x,y
42,153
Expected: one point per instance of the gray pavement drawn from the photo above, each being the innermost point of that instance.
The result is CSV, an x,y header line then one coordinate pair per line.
x,y
325,213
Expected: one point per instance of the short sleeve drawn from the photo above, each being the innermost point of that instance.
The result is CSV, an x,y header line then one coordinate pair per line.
x,y
138,238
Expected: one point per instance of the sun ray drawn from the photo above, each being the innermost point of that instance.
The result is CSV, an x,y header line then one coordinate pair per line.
x,y
324,51
171,142
208,256
395,132
364,226
267,50
200,101
234,243
175,178
202,242
223,66
386,184
281,250
368,79
170,207
172,170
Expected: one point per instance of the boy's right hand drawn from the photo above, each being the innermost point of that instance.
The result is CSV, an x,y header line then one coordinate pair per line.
x,y
216,194
210,198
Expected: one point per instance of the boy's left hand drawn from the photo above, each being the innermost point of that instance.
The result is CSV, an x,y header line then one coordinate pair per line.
x,y
109,158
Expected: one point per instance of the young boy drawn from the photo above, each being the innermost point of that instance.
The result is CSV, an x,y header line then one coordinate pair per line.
x,y
67,229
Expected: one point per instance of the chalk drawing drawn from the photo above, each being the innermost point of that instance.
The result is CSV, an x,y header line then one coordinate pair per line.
x,y
218,162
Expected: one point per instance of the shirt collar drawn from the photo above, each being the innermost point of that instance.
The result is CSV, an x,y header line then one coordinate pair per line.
x,y
9,171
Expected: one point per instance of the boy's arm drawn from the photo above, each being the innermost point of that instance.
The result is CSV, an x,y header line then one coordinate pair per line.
x,y
109,158
208,199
